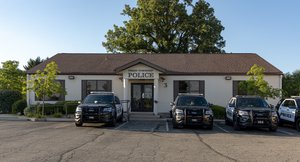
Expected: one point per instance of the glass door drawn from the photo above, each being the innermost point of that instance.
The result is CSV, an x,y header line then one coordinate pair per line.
x,y
142,97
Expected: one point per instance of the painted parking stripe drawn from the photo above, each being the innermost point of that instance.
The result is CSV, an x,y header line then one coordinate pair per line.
x,y
121,125
216,125
285,132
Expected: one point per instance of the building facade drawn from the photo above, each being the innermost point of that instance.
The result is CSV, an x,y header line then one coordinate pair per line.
x,y
151,81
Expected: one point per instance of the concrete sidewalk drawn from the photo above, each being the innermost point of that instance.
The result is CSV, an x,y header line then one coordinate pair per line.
x,y
12,117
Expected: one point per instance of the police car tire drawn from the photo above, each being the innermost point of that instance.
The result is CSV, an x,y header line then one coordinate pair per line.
x,y
273,129
236,125
298,125
227,122
121,118
78,124
113,121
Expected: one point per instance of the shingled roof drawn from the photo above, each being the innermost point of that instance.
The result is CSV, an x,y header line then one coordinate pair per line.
x,y
168,64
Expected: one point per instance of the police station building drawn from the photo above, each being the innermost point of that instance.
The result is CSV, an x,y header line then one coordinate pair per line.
x,y
152,81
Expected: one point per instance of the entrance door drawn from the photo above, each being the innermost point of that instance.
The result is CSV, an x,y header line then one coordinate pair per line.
x,y
142,97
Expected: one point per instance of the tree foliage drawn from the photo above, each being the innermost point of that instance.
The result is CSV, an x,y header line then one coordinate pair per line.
x,y
32,63
291,84
12,78
256,85
167,26
43,82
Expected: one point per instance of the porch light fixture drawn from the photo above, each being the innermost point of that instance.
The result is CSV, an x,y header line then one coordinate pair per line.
x,y
227,77
71,77
162,79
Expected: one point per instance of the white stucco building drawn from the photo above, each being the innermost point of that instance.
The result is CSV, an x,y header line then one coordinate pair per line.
x,y
152,81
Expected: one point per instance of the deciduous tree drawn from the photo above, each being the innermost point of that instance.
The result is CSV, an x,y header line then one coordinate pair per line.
x,y
12,78
43,82
167,26
256,85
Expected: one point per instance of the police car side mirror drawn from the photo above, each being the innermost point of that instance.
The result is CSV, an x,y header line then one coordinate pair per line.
x,y
210,105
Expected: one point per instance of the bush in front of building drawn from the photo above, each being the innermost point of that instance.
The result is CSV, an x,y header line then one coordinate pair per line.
x,y
19,106
56,110
219,111
7,98
70,107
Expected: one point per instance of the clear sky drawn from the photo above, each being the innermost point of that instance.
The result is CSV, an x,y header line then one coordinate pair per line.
x,y
31,28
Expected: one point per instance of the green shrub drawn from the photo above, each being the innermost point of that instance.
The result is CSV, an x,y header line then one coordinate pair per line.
x,y
28,111
7,98
19,106
57,115
70,107
219,111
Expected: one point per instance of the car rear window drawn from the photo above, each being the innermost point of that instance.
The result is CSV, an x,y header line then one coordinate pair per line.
x,y
99,99
251,102
191,101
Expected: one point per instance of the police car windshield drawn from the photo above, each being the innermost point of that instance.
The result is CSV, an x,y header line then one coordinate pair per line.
x,y
99,99
191,101
251,102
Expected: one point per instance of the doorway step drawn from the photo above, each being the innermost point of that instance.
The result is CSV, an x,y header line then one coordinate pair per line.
x,y
144,116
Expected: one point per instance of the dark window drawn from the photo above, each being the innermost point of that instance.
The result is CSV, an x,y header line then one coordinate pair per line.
x,y
289,103
188,86
236,89
89,86
56,96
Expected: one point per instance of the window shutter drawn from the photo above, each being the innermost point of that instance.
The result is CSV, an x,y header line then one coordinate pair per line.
x,y
176,89
109,82
63,86
83,89
235,87
202,87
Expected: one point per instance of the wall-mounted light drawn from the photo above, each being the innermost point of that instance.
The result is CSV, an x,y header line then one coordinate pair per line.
x,y
165,85
162,79
71,77
227,77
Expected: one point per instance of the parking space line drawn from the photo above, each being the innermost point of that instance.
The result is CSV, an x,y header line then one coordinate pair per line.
x,y
167,126
221,128
285,132
121,125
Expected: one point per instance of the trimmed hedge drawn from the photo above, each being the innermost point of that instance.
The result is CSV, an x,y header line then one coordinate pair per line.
x,y
219,111
60,107
19,106
7,98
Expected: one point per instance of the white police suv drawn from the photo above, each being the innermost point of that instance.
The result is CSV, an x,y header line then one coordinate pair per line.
x,y
288,111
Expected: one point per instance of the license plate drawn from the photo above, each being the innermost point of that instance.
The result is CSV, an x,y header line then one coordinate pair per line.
x,y
260,122
194,120
91,117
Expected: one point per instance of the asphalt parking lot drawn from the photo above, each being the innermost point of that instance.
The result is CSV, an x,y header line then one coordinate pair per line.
x,y
143,141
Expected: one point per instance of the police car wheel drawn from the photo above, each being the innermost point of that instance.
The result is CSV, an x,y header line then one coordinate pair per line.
x,y
227,122
113,121
273,129
298,125
236,125
78,124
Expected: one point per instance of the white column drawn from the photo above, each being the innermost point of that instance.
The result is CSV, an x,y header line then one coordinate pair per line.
x,y
156,87
125,90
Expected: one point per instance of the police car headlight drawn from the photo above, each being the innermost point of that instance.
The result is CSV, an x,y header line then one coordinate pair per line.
x,y
243,113
179,112
108,109
209,112
78,110
274,114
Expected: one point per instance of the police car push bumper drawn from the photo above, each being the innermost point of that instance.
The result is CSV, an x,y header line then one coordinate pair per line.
x,y
245,119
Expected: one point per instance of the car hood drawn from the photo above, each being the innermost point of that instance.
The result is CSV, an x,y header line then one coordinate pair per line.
x,y
192,107
94,105
255,109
